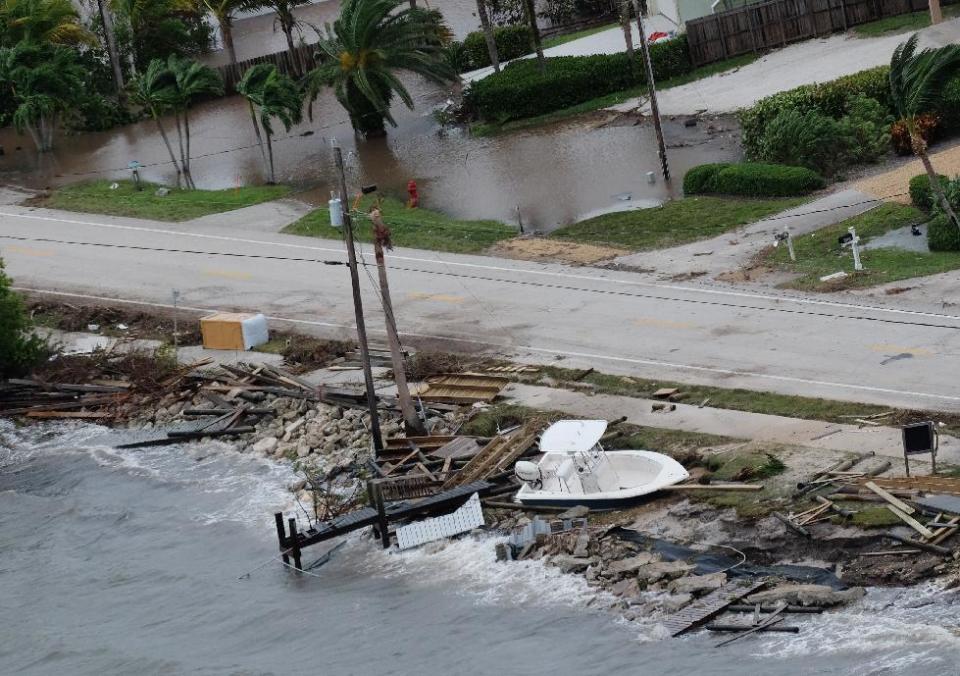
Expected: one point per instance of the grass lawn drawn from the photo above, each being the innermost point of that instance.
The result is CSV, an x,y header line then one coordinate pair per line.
x,y
493,128
417,228
902,23
819,254
179,205
676,222
558,40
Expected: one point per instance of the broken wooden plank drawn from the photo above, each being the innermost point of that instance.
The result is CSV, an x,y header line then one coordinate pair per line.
x,y
83,415
896,502
714,487
913,523
926,546
789,523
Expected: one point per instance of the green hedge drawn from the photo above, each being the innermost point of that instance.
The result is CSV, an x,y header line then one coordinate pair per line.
x,y
752,180
920,192
942,234
512,41
828,98
521,90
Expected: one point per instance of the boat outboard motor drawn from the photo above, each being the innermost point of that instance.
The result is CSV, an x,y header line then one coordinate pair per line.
x,y
529,472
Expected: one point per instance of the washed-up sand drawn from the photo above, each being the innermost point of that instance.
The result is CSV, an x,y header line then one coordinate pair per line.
x,y
540,249
893,186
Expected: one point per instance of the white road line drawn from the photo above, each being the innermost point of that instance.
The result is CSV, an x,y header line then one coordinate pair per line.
x,y
541,350
546,273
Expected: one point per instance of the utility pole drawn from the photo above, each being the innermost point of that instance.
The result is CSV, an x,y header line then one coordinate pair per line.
x,y
381,239
358,304
652,87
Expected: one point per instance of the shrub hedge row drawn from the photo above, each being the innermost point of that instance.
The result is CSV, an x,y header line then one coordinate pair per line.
x,y
512,41
521,90
942,234
751,180
921,195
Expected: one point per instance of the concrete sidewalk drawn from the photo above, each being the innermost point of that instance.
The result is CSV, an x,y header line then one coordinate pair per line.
x,y
735,249
884,441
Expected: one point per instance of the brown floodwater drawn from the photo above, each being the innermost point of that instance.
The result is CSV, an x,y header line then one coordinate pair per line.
x,y
552,176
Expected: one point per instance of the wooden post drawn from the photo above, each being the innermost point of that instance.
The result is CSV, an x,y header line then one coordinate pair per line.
x,y
295,543
843,13
281,536
382,525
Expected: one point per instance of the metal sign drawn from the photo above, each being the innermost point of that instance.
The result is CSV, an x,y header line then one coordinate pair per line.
x,y
919,438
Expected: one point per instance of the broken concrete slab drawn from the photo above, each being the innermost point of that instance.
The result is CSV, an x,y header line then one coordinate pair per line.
x,y
698,584
652,572
630,565
570,564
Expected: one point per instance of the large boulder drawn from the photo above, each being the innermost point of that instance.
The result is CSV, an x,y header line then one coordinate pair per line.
x,y
630,565
662,570
807,595
570,564
698,584
267,445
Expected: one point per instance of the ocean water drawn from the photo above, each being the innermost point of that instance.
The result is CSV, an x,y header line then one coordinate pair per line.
x,y
131,562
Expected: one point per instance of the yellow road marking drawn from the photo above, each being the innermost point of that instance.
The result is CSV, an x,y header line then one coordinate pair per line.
x,y
228,274
663,323
26,251
885,348
441,297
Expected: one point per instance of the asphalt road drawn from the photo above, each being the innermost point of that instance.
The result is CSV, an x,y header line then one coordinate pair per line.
x,y
615,321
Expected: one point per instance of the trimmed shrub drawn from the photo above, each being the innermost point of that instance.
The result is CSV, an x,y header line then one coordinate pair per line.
x,y
521,90
827,98
942,234
807,139
20,349
921,194
699,180
512,41
867,125
927,123
752,180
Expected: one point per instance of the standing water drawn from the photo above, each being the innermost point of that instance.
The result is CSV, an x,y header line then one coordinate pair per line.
x,y
120,562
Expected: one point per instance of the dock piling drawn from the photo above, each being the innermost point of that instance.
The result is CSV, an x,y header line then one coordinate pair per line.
x,y
281,536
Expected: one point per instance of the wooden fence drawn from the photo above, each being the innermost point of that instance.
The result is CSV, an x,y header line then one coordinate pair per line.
x,y
295,65
777,23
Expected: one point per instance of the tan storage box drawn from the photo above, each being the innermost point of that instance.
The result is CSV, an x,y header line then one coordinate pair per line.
x,y
233,331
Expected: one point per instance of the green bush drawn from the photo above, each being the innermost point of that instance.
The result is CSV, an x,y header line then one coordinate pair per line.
x,y
921,194
699,180
827,98
521,90
807,139
867,125
942,234
512,41
456,55
19,348
752,180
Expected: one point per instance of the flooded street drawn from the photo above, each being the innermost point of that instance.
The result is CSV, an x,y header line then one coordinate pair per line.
x,y
555,175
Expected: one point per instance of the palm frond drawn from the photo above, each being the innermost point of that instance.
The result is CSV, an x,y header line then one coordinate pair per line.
x,y
917,78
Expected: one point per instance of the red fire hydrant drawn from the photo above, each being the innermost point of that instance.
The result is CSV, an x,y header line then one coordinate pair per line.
x,y
414,200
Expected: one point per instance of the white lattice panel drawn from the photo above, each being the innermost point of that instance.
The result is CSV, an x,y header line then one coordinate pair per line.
x,y
467,517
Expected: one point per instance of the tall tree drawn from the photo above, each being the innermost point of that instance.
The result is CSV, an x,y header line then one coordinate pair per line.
x,y
936,14
627,31
284,10
155,90
370,42
53,21
45,82
488,34
157,28
271,96
224,11
530,9
917,80
193,81
110,37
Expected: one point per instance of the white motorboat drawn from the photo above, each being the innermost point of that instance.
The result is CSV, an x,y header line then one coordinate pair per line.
x,y
575,470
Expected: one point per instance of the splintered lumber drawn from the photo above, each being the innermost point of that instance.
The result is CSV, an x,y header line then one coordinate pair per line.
x,y
497,456
744,627
910,521
892,552
899,504
846,513
792,525
85,415
926,546
462,388
927,484
945,531
771,619
713,487
746,608
816,480
710,606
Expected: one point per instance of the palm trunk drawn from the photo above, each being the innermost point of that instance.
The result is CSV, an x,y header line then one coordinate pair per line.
x,y
531,12
627,32
936,15
183,161
273,177
226,28
488,35
35,135
166,142
937,187
186,128
298,68
107,21
256,129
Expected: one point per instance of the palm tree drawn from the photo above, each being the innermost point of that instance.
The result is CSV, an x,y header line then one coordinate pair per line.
x,y
192,81
917,80
273,95
53,21
110,40
488,35
627,31
363,50
529,8
223,11
155,90
288,23
44,81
